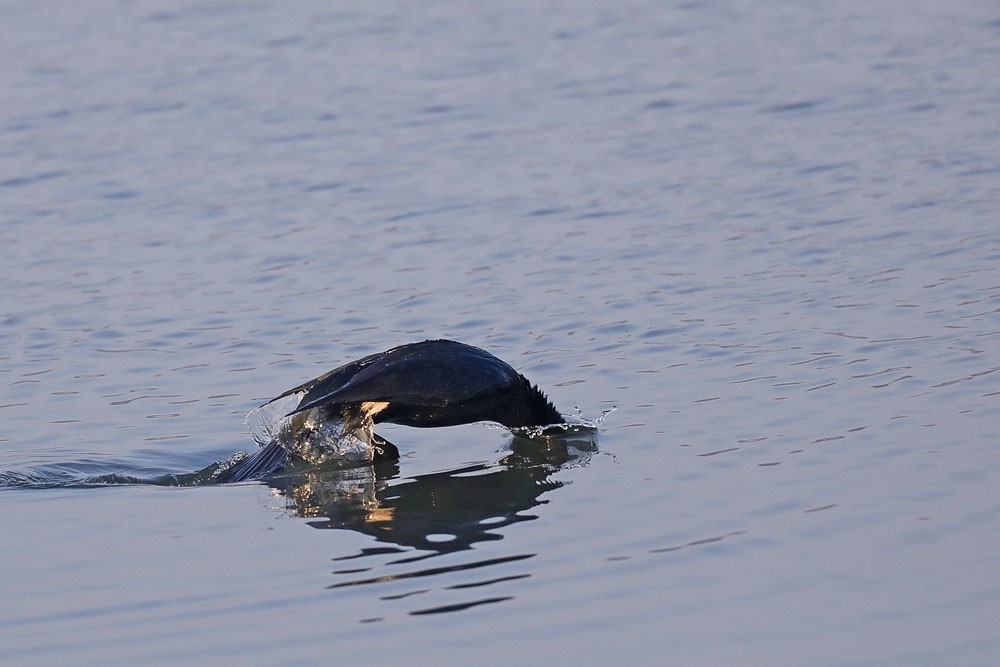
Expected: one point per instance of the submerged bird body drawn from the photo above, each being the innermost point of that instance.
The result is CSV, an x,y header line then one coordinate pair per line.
x,y
427,384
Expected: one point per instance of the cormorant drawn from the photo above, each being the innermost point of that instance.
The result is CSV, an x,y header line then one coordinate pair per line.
x,y
426,384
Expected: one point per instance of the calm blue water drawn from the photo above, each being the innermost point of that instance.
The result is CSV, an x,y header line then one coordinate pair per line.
x,y
767,233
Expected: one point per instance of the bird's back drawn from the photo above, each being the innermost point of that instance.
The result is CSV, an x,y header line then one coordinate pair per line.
x,y
418,379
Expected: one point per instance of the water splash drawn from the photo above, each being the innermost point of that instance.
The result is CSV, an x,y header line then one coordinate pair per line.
x,y
265,422
578,415
312,436
576,424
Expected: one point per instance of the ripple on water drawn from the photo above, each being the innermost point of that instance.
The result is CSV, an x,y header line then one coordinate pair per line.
x,y
772,248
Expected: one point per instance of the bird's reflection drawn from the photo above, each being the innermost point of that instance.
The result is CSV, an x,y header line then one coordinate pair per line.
x,y
439,512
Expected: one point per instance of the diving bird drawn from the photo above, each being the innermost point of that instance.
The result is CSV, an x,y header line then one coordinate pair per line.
x,y
426,384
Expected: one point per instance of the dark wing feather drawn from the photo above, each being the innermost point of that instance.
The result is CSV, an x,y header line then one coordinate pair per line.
x,y
337,377
431,373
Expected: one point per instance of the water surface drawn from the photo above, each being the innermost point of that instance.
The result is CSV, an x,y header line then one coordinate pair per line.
x,y
767,234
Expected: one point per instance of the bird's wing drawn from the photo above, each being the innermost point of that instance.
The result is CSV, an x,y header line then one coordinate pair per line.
x,y
425,375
